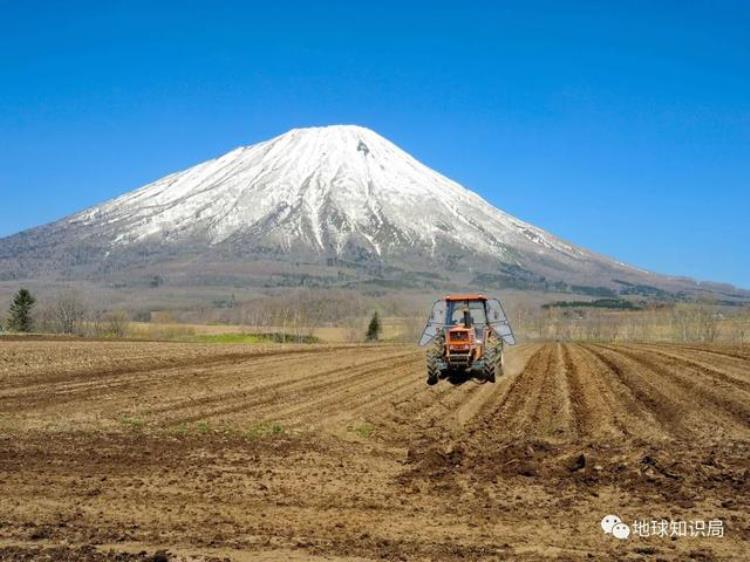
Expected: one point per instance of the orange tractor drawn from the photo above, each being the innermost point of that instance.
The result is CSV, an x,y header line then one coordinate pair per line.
x,y
467,333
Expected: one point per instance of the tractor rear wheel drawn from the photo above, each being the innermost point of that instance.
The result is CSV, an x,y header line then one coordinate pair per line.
x,y
493,364
434,356
433,371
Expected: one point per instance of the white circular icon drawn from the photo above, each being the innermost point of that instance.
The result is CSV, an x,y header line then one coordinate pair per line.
x,y
609,522
621,531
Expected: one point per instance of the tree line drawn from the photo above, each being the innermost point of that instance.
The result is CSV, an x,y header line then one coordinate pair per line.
x,y
296,316
301,313
682,322
65,313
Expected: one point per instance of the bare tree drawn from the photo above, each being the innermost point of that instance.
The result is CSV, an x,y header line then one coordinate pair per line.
x,y
117,323
354,328
69,313
707,323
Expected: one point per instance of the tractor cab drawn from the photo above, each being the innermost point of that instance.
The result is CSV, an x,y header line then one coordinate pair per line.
x,y
467,313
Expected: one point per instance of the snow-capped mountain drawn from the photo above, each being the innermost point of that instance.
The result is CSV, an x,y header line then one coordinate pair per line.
x,y
319,189
328,196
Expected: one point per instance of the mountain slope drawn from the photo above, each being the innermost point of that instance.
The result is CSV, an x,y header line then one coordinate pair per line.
x,y
330,196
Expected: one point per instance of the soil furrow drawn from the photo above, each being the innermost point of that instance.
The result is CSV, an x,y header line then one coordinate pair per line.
x,y
123,382
737,374
155,364
743,356
527,410
617,412
284,399
717,399
312,408
582,404
278,378
660,405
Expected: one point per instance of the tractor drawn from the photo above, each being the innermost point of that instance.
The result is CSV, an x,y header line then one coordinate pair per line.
x,y
466,334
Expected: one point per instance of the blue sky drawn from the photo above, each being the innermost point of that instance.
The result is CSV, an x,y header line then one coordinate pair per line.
x,y
624,128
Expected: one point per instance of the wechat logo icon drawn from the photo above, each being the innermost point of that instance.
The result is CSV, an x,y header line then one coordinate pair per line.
x,y
613,525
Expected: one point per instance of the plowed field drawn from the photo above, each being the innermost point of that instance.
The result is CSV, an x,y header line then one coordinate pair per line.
x,y
114,451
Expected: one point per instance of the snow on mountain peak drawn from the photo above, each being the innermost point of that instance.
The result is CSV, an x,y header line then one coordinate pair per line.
x,y
340,197
320,188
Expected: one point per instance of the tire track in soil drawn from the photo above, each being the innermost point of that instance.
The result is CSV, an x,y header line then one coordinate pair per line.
x,y
532,407
430,409
486,399
490,425
427,426
425,415
445,411
407,410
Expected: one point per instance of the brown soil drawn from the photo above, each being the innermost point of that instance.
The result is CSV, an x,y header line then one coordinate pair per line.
x,y
155,451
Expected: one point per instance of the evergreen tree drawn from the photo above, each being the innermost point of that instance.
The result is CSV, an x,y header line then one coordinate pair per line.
x,y
373,330
19,319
